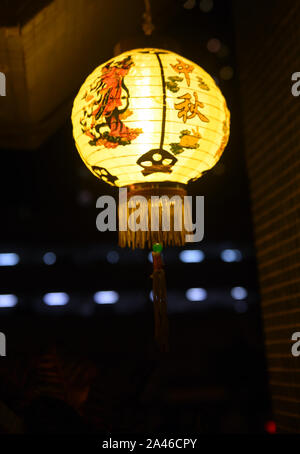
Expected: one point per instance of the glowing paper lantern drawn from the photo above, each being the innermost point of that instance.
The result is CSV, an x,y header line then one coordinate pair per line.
x,y
150,117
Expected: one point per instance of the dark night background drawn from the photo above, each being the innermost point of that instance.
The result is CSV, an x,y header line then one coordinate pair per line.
x,y
86,367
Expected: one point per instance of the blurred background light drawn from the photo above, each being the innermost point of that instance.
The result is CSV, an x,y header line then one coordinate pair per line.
x,y
150,257
239,293
49,258
9,259
214,45
8,300
191,256
84,197
231,255
189,4
270,427
56,299
106,297
226,73
241,307
223,51
206,5
112,257
83,173
196,294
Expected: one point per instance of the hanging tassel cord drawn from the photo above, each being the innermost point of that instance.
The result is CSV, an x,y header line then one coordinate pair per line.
x,y
161,323
148,26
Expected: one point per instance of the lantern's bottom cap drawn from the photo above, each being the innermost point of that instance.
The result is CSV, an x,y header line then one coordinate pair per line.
x,y
156,214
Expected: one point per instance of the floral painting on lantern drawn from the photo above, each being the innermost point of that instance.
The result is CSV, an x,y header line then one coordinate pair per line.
x,y
104,115
188,139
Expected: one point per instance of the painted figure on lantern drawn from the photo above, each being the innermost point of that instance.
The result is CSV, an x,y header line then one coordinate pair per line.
x,y
105,98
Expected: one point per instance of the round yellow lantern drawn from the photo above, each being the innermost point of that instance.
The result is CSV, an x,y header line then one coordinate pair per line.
x,y
150,120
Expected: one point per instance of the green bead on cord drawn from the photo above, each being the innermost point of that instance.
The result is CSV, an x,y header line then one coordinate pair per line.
x,y
157,247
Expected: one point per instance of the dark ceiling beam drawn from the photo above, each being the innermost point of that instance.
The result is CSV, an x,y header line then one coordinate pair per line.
x,y
19,12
